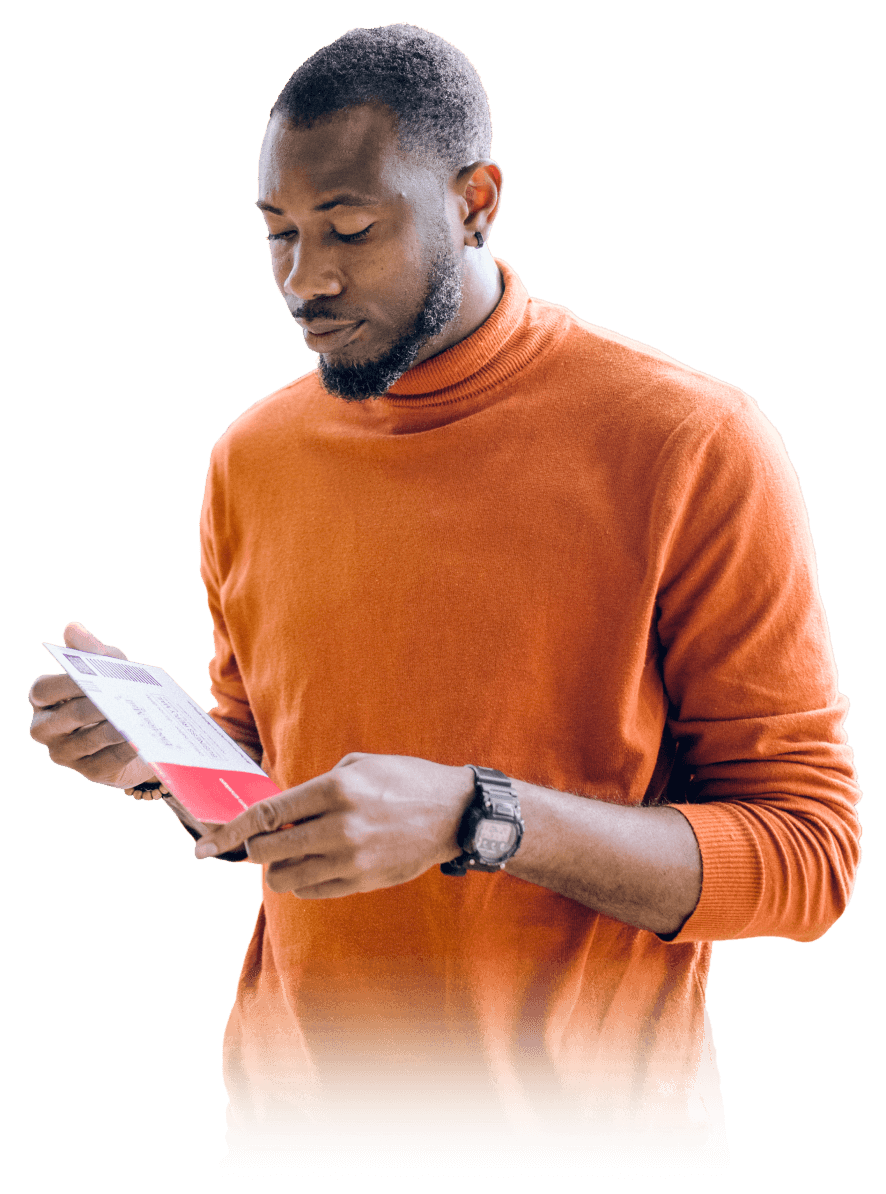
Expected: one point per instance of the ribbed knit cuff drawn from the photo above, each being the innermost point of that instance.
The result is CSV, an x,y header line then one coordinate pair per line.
x,y
732,874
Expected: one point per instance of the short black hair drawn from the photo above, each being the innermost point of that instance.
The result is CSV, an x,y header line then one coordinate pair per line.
x,y
431,87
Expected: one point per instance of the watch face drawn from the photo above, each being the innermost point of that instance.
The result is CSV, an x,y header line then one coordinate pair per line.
x,y
493,839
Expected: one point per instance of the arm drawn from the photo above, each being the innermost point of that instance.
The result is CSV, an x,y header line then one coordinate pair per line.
x,y
749,672
640,865
379,820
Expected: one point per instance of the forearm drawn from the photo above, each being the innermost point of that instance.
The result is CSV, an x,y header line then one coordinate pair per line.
x,y
638,865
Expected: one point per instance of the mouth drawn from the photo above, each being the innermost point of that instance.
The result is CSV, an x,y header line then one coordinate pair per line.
x,y
329,336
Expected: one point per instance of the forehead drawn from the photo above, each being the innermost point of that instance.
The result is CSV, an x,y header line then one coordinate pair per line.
x,y
355,150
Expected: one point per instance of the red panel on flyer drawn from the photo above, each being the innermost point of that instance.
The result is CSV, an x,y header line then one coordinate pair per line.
x,y
214,795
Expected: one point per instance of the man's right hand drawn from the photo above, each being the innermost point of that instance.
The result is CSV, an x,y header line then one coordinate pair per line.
x,y
76,734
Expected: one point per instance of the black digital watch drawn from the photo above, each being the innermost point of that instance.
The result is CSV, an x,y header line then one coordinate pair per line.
x,y
491,829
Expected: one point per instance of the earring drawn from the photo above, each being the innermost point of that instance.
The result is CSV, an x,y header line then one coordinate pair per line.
x,y
479,236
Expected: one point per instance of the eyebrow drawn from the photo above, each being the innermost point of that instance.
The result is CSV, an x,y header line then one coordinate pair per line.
x,y
346,199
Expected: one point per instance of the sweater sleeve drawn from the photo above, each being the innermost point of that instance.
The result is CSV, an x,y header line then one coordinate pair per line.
x,y
232,710
754,707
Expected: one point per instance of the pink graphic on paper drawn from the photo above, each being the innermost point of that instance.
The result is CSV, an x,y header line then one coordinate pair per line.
x,y
215,795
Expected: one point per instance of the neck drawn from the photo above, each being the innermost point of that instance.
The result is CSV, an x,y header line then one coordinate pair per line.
x,y
482,288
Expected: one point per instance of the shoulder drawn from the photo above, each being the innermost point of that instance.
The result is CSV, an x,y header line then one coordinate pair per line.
x,y
269,423
626,391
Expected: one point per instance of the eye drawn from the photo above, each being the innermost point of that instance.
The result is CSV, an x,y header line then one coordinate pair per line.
x,y
352,239
283,235
355,237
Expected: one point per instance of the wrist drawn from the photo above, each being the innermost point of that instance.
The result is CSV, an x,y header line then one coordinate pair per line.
x,y
462,794
491,827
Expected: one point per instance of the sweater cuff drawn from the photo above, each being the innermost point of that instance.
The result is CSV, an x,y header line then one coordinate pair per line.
x,y
732,874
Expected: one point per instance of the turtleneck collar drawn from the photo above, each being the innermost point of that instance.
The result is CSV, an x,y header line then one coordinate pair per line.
x,y
497,350
450,369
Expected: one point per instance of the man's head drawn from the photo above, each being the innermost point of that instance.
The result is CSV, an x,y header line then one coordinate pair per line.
x,y
374,180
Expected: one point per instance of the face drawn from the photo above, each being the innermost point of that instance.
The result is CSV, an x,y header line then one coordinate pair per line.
x,y
365,246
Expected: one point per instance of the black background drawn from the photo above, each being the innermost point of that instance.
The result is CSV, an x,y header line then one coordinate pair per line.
x,y
676,197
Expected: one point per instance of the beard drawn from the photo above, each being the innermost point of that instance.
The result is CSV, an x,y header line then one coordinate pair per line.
x,y
358,380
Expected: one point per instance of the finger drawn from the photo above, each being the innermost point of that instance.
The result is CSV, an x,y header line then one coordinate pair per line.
x,y
52,690
64,748
296,804
81,639
105,766
50,726
309,874
71,717
92,742
96,754
292,843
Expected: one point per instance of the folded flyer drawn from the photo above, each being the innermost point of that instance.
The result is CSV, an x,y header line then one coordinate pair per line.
x,y
208,773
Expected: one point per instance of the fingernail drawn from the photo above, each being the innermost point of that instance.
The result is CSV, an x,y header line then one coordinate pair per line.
x,y
207,850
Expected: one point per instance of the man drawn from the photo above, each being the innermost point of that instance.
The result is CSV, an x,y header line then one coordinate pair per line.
x,y
487,536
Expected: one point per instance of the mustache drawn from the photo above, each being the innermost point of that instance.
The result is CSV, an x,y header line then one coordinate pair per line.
x,y
317,314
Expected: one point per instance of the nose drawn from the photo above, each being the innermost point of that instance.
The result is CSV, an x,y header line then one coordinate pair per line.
x,y
312,274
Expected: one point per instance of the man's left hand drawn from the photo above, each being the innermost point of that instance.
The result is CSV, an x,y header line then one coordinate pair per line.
x,y
372,821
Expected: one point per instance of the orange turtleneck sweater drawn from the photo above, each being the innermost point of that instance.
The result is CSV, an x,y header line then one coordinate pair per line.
x,y
556,552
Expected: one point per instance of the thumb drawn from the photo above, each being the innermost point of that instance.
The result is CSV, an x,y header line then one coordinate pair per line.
x,y
78,637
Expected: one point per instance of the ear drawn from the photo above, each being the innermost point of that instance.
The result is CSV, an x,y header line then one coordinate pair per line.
x,y
479,188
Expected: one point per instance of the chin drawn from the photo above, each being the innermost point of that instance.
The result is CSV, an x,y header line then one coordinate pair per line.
x,y
357,380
